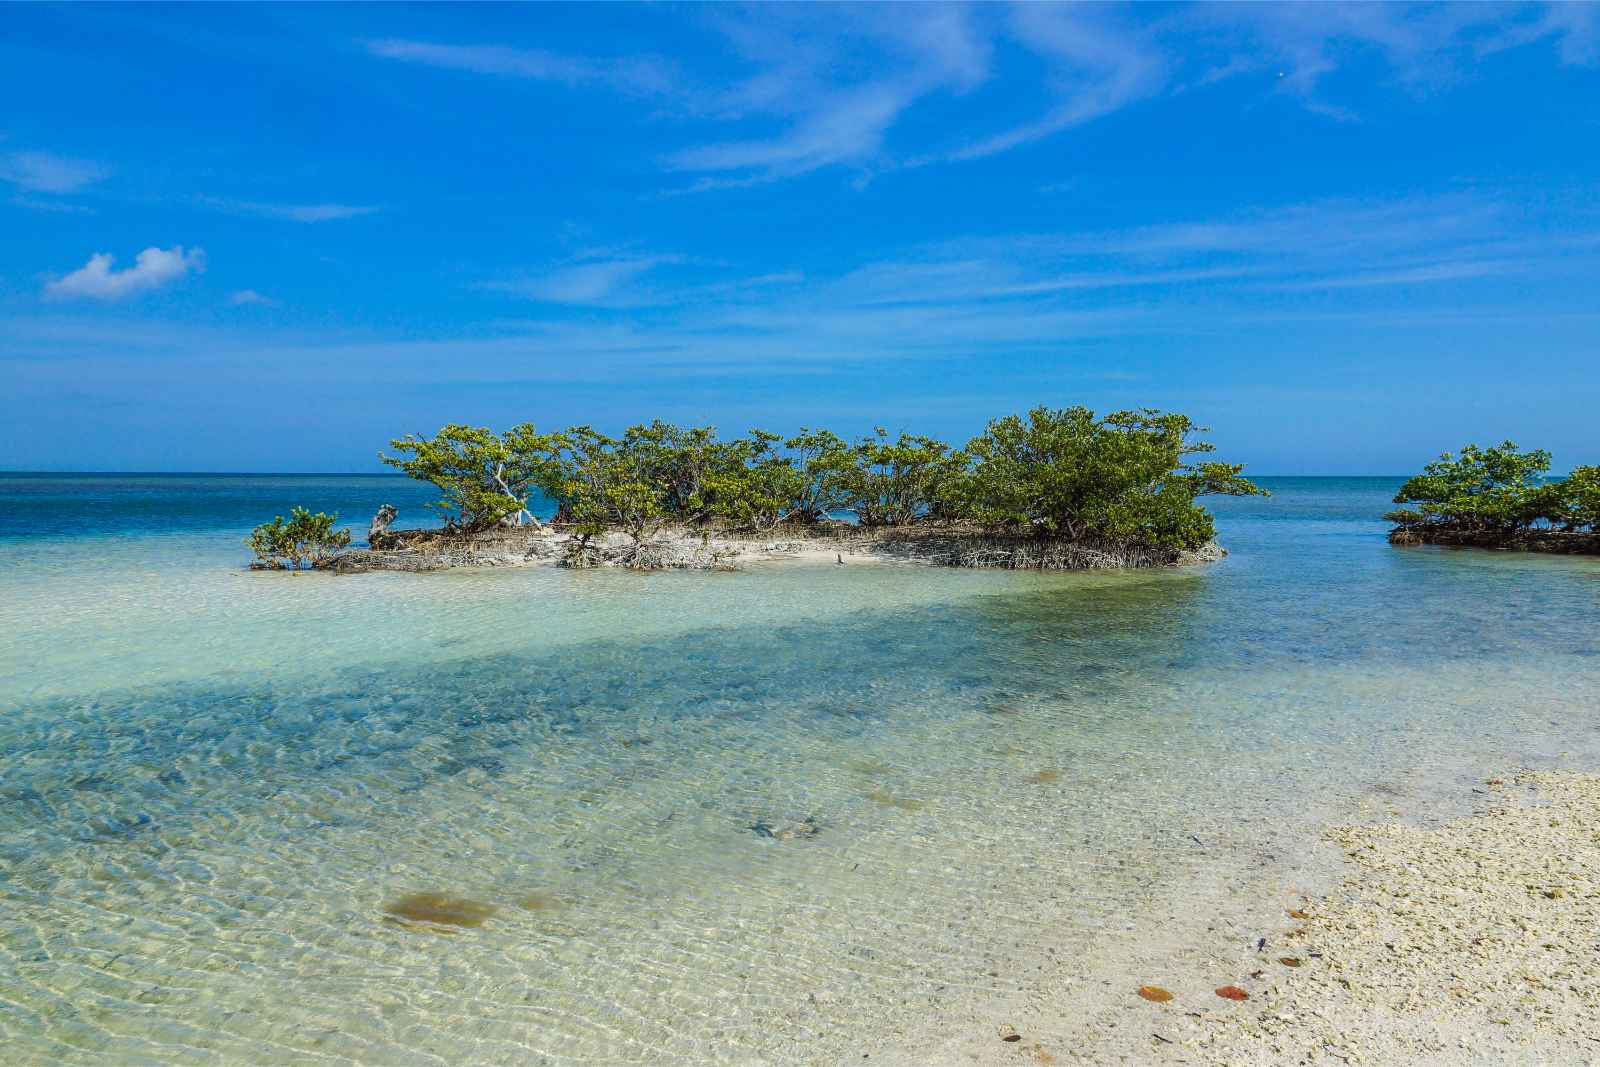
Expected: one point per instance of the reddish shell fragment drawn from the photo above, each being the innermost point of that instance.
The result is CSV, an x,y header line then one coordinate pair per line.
x,y
1232,992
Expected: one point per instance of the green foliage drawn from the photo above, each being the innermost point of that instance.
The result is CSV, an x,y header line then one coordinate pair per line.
x,y
485,477
1127,476
607,484
305,538
890,482
757,487
822,464
1499,488
1123,477
1577,500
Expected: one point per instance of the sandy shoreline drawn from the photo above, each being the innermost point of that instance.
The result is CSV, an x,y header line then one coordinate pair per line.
x,y
1471,940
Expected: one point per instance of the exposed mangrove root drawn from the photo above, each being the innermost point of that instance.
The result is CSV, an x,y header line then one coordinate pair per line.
x,y
678,548
1567,542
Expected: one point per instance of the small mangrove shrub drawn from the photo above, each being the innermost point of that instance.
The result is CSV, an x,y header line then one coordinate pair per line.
x,y
304,538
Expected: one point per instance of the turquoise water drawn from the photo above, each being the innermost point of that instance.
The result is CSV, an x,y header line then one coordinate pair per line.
x,y
213,783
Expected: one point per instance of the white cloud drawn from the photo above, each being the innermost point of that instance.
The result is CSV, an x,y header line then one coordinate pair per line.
x,y
1096,68
291,212
153,268
589,282
828,120
822,87
796,56
245,297
848,127
45,172
631,74
618,279
1423,274
1578,27
54,207
598,280
1575,26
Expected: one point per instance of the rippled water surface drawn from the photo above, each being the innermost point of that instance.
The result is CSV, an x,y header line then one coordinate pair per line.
x,y
529,815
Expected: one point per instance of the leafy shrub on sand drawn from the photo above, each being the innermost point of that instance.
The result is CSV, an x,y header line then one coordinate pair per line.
x,y
304,538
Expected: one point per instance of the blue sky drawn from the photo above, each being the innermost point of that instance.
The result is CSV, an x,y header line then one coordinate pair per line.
x,y
270,238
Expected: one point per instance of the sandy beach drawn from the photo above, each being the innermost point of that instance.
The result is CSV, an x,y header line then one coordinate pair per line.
x,y
1466,940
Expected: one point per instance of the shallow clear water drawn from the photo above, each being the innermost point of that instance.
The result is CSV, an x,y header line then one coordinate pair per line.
x,y
213,783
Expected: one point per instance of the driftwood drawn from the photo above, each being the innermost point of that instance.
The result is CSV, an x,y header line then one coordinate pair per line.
x,y
378,531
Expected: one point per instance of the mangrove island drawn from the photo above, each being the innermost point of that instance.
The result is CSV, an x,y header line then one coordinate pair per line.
x,y
1059,489
1499,497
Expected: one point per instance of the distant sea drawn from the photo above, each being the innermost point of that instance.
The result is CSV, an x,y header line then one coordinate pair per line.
x,y
686,817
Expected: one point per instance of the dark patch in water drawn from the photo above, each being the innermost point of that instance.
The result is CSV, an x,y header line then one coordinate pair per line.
x,y
878,796
114,827
787,830
491,765
440,909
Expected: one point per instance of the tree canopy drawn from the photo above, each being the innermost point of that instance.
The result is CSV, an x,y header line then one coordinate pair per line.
x,y
1128,476
485,477
1502,489
1122,477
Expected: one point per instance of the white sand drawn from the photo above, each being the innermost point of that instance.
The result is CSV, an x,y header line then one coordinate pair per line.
x,y
1474,942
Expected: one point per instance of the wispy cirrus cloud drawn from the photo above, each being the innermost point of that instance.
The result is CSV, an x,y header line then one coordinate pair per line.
x,y
1420,274
1422,46
611,279
1021,315
820,88
152,269
1355,246
593,280
633,74
1096,68
53,207
46,172
314,212
1036,292
919,51
249,298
